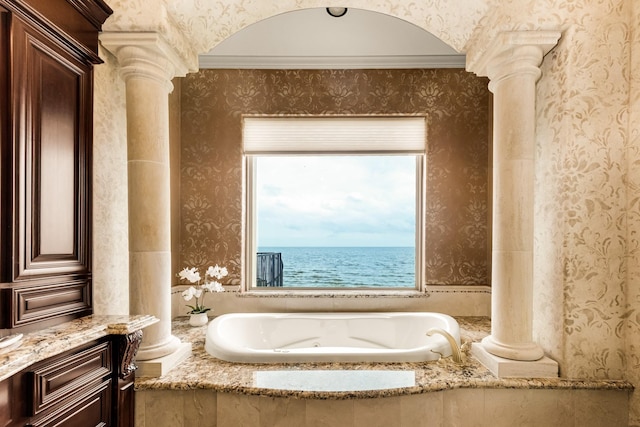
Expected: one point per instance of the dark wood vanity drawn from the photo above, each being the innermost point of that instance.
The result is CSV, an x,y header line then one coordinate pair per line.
x,y
84,386
77,374
48,49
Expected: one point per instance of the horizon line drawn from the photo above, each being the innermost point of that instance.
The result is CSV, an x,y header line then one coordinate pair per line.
x,y
333,246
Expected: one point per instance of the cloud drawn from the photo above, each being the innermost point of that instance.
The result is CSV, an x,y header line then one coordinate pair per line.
x,y
336,201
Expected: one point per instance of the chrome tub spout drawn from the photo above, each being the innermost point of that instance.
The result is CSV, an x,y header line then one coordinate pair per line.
x,y
456,352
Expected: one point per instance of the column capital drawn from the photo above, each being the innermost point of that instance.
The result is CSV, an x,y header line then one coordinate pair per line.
x,y
144,55
512,52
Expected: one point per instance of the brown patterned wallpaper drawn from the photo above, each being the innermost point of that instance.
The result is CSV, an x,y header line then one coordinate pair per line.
x,y
213,101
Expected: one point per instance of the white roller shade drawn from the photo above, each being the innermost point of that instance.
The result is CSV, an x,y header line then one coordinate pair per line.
x,y
273,135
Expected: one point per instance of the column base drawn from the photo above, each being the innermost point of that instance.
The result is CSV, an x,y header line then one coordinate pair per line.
x,y
525,352
507,368
160,366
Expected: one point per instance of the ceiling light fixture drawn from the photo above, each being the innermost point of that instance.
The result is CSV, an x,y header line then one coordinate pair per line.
x,y
337,12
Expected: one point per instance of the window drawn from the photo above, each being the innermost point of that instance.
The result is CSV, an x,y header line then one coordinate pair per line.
x,y
334,202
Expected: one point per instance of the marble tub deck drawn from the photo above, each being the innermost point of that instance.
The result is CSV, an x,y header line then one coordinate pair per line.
x,y
348,380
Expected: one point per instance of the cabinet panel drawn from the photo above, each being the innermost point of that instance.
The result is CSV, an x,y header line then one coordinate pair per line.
x,y
6,402
56,159
6,153
50,94
125,349
126,400
67,376
39,302
92,410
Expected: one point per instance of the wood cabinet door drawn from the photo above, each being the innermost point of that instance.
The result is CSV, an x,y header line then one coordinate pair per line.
x,y
51,95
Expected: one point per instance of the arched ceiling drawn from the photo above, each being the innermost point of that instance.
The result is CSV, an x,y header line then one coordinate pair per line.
x,y
311,38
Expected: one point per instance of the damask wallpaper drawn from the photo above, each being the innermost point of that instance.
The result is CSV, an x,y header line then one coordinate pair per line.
x,y
455,101
632,336
586,253
582,214
110,214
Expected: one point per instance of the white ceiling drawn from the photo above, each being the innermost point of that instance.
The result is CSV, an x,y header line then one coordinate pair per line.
x,y
311,38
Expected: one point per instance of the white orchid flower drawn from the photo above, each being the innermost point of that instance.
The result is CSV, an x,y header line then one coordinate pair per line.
x,y
190,274
189,293
215,287
217,272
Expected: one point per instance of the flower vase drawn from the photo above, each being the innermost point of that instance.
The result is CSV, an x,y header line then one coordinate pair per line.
x,y
198,319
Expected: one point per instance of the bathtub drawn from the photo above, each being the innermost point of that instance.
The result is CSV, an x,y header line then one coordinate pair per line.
x,y
329,337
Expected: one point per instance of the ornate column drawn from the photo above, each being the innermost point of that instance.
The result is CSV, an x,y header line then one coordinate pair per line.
x,y
147,65
512,64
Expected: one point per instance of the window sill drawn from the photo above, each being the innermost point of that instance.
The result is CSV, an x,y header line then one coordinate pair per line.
x,y
456,300
333,294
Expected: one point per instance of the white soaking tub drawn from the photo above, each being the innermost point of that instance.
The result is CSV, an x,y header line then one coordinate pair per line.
x,y
329,337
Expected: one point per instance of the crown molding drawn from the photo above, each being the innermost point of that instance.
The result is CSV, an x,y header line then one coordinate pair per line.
x,y
331,62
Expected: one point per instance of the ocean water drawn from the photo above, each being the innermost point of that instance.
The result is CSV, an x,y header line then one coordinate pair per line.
x,y
347,266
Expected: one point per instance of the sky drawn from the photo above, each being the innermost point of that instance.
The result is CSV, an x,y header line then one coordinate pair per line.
x,y
336,200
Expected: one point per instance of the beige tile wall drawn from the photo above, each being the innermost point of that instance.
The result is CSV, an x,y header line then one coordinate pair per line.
x,y
455,408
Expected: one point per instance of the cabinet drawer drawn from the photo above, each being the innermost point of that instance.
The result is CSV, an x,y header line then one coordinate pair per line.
x,y
90,410
41,302
63,378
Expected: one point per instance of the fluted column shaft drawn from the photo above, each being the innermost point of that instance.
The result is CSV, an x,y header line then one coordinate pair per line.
x,y
512,66
147,67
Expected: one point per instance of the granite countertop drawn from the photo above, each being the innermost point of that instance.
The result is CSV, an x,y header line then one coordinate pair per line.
x,y
39,345
346,380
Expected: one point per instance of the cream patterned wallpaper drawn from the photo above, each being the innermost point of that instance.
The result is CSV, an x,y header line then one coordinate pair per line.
x,y
632,326
110,223
587,198
582,110
456,102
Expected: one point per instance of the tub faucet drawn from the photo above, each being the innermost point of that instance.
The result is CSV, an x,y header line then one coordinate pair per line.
x,y
456,353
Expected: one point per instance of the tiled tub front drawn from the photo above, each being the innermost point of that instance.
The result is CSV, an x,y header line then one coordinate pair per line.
x,y
204,391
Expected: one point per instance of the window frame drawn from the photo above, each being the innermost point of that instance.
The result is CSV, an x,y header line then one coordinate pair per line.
x,y
250,217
